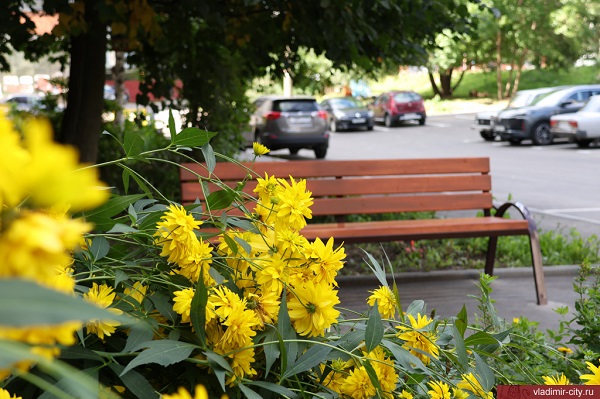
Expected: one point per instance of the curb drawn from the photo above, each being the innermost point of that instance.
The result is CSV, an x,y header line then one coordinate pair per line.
x,y
463,274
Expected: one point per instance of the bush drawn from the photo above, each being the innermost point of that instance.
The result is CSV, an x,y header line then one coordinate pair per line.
x,y
223,297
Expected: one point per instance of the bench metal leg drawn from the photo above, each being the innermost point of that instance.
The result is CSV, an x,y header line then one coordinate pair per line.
x,y
536,251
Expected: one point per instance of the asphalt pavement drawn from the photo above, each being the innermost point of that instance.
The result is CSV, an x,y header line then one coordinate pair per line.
x,y
447,291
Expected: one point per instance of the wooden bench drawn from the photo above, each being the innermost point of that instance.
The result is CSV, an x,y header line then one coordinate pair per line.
x,y
347,187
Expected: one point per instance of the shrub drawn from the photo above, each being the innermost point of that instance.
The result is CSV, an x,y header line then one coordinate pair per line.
x,y
224,297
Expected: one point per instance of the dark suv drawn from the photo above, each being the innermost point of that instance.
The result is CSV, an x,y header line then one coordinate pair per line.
x,y
289,122
533,122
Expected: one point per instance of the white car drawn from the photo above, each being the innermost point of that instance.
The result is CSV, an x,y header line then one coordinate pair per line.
x,y
582,127
485,121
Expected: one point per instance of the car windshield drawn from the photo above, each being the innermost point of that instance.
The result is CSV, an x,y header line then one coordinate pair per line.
x,y
592,105
295,106
520,99
552,99
345,103
406,97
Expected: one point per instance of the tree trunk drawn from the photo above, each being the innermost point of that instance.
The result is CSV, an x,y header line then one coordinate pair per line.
x,y
434,86
499,63
519,71
446,82
82,120
462,75
118,72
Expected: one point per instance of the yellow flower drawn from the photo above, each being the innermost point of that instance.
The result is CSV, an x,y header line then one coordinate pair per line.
x,y
460,394
137,292
386,303
471,384
176,234
259,149
197,262
565,350
225,301
406,395
311,308
13,161
36,245
594,378
241,324
384,368
102,296
182,393
267,190
183,303
559,379
439,390
241,364
4,394
419,341
335,380
358,384
294,205
326,260
265,305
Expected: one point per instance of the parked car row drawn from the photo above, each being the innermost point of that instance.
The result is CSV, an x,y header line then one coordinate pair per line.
x,y
534,121
294,123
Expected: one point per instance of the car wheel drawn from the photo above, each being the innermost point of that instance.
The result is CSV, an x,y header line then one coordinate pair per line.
x,y
320,151
488,135
422,121
584,143
333,126
387,120
541,134
514,141
370,127
294,151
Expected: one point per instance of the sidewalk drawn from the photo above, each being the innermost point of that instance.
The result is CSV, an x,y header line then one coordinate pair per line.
x,y
448,291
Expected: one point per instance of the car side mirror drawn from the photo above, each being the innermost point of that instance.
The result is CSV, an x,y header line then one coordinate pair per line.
x,y
567,103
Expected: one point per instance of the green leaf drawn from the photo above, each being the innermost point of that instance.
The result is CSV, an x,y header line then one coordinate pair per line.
x,y
193,137
243,244
162,303
314,356
125,175
289,346
377,269
99,248
372,374
404,357
132,143
172,129
122,228
164,352
485,374
137,337
12,352
416,307
112,207
481,338
120,276
79,352
461,350
249,393
209,157
278,389
198,310
135,382
244,225
24,303
272,351
220,199
219,366
461,321
374,330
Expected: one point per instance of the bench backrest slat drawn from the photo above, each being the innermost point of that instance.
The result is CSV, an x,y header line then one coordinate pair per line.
x,y
368,186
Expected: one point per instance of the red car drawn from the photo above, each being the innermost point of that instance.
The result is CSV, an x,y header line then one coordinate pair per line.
x,y
395,107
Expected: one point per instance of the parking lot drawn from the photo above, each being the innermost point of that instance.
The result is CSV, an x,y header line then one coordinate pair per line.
x,y
558,183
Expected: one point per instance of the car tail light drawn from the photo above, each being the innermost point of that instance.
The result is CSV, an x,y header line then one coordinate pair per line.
x,y
322,114
272,115
573,124
553,123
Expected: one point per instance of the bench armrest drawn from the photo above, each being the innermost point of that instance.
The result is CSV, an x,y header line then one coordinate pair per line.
x,y
501,210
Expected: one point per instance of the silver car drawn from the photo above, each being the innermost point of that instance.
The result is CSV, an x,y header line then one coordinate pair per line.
x,y
289,122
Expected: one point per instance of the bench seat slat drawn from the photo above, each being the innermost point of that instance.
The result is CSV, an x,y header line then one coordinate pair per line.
x,y
392,230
